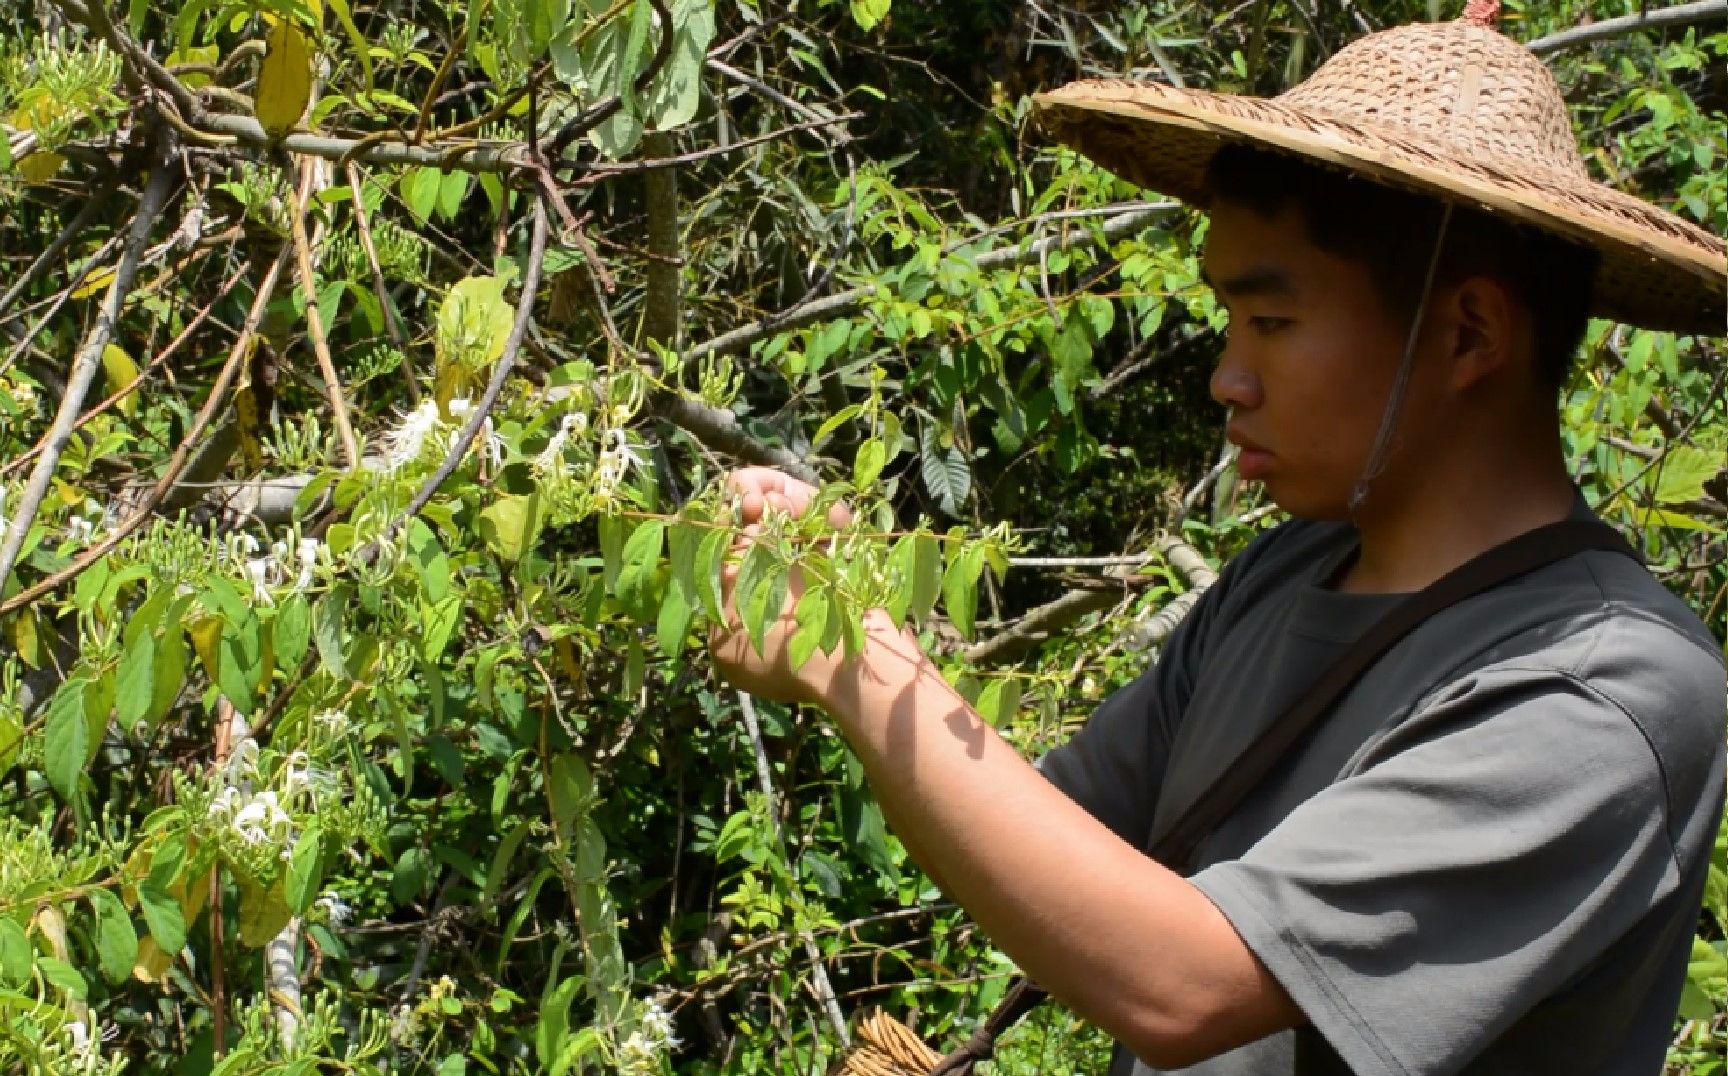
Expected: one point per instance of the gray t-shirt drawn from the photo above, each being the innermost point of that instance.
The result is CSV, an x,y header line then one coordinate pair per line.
x,y
1490,856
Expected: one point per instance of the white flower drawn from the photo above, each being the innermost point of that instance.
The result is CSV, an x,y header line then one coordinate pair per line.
x,y
80,530
258,820
614,464
309,548
338,911
336,721
404,444
657,1025
258,573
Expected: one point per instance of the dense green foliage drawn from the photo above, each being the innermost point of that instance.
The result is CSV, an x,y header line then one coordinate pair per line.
x,y
333,743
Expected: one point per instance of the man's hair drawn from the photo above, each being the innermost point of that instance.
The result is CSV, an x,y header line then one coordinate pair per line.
x,y
1392,232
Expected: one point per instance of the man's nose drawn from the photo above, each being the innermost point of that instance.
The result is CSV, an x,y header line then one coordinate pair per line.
x,y
1233,383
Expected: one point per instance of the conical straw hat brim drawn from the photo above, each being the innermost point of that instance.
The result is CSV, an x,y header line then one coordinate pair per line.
x,y
1657,271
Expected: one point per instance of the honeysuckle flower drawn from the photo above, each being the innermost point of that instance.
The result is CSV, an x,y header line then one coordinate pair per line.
x,y
80,530
614,464
337,912
552,456
258,574
261,819
308,561
404,443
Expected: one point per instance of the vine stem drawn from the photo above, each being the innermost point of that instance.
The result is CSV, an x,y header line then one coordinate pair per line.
x,y
500,371
765,779
89,358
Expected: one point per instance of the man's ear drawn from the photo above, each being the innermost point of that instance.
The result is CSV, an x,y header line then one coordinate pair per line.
x,y
1488,325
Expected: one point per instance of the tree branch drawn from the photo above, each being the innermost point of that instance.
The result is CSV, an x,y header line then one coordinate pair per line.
x,y
1662,18
89,358
177,462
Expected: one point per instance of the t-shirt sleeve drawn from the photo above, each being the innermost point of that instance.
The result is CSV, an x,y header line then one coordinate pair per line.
x,y
1114,766
1479,857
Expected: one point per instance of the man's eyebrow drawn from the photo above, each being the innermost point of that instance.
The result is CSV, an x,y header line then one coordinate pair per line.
x,y
1258,281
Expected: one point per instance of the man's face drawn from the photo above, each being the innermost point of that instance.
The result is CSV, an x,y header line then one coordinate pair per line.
x,y
1309,360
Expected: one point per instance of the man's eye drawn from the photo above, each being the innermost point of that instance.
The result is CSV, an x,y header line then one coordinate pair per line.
x,y
1266,324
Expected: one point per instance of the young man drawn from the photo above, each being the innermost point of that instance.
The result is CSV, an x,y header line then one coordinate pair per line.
x,y
1489,855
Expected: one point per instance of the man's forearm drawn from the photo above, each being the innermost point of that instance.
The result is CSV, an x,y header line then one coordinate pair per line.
x,y
1128,944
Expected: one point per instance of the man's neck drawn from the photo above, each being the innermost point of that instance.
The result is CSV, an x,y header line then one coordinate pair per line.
x,y
1413,535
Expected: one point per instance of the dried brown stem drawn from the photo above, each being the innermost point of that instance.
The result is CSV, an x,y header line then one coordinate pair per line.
x,y
315,321
177,462
89,358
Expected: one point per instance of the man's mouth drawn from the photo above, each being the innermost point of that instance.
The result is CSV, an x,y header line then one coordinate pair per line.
x,y
1254,461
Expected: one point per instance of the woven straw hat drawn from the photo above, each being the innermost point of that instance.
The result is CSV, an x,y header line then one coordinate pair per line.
x,y
1454,110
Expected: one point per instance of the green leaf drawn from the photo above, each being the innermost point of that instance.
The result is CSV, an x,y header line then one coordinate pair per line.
x,y
872,455
452,188
554,1025
292,632
63,975
327,630
409,878
240,661
511,524
420,191
162,915
136,687
69,741
611,550
960,588
474,320
17,955
168,674
429,559
999,700
676,91
946,473
752,574
641,557
710,562
926,576
438,624
303,870
263,911
116,940
811,614
765,607
1682,473
673,622
683,541
867,13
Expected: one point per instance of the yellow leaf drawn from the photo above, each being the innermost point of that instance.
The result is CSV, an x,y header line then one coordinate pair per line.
x,y
40,166
121,371
95,282
206,635
247,425
205,56
27,635
284,81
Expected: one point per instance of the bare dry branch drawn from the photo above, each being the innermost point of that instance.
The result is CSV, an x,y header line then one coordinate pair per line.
x,y
1699,11
89,358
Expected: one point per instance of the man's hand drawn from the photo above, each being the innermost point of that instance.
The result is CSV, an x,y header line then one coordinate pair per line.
x,y
770,674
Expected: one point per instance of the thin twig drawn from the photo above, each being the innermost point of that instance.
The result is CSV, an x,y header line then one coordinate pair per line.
x,y
315,320
89,358
51,254
500,371
126,390
765,781
177,462
391,325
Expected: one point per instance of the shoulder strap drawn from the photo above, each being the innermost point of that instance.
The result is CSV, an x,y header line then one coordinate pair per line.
x,y
1176,847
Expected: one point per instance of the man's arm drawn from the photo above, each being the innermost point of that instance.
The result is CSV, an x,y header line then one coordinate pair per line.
x,y
1126,943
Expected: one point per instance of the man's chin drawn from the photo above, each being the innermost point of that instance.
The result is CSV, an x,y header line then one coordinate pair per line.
x,y
1307,504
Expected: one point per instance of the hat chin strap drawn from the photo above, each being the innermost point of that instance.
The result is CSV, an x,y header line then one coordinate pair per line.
x,y
1389,419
